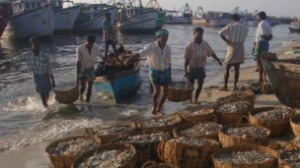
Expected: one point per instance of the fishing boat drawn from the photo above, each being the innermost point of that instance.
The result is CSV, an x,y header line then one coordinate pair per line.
x,y
119,84
294,29
284,76
31,18
161,16
6,13
92,16
182,16
65,15
211,18
133,19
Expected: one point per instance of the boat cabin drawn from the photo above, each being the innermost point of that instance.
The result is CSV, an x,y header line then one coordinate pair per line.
x,y
27,5
61,4
92,8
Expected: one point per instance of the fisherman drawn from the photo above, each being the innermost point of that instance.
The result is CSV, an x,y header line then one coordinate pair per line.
x,y
38,62
158,55
262,38
87,54
234,34
196,53
109,34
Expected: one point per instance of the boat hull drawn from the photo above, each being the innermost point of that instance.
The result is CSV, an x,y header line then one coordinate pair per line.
x,y
179,20
284,77
6,12
294,30
93,21
65,19
145,22
211,22
121,86
38,22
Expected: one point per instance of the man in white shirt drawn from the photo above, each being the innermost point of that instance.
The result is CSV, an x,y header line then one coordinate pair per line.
x,y
234,35
262,38
158,55
87,55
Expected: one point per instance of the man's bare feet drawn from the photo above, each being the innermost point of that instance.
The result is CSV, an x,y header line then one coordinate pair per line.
x,y
224,89
235,88
154,112
257,70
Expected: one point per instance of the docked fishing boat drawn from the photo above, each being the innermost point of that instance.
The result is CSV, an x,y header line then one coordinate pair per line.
x,y
161,16
65,15
182,16
6,13
92,16
31,18
294,29
284,75
117,83
210,18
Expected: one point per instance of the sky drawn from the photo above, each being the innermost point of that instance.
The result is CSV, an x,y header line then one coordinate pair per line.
x,y
272,7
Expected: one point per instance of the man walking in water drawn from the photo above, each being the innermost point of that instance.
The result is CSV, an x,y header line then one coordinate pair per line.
x,y
196,53
158,55
39,64
262,38
109,34
234,35
87,55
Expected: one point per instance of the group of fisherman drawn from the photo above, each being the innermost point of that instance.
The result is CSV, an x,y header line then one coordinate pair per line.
x,y
158,54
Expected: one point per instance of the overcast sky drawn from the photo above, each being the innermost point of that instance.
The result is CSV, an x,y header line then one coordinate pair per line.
x,y
272,7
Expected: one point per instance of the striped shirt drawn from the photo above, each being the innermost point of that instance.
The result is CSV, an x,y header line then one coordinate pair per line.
x,y
36,64
236,32
196,54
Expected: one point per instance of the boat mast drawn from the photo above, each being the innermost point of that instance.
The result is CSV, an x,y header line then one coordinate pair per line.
x,y
153,4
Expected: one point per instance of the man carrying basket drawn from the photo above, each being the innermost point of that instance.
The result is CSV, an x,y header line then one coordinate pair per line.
x,y
196,53
158,55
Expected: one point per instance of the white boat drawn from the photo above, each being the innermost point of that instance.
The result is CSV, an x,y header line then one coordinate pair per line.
x,y
211,19
252,23
92,16
66,14
31,18
182,16
137,20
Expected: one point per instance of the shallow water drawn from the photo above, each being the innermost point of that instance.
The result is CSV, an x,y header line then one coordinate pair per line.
x,y
24,122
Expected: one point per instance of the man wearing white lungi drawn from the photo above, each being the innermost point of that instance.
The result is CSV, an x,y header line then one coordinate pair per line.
x,y
234,35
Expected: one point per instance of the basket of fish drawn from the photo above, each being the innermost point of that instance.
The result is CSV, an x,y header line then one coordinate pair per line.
x,y
249,156
276,119
202,130
289,158
112,134
231,112
115,155
243,135
163,123
295,124
146,145
296,142
197,116
153,164
180,91
66,95
186,152
63,152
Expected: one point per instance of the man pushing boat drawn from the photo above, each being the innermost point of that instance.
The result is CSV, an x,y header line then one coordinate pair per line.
x,y
158,55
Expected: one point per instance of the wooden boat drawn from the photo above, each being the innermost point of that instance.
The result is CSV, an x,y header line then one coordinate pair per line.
x,y
65,15
120,85
294,29
182,16
284,76
31,18
92,16
6,13
210,18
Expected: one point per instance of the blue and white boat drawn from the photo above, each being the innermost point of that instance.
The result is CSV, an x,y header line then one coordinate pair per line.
x,y
120,85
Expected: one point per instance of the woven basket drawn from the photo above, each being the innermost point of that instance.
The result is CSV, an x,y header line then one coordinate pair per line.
x,y
187,156
153,164
179,95
228,140
177,132
289,147
131,162
67,160
145,151
278,127
197,118
67,96
294,125
233,118
246,96
270,164
166,128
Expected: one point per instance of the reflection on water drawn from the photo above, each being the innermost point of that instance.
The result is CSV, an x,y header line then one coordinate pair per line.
x,y
23,121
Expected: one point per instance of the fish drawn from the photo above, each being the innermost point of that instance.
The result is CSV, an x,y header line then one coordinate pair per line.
x,y
273,114
148,138
291,157
159,122
201,129
246,132
246,157
191,142
234,107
